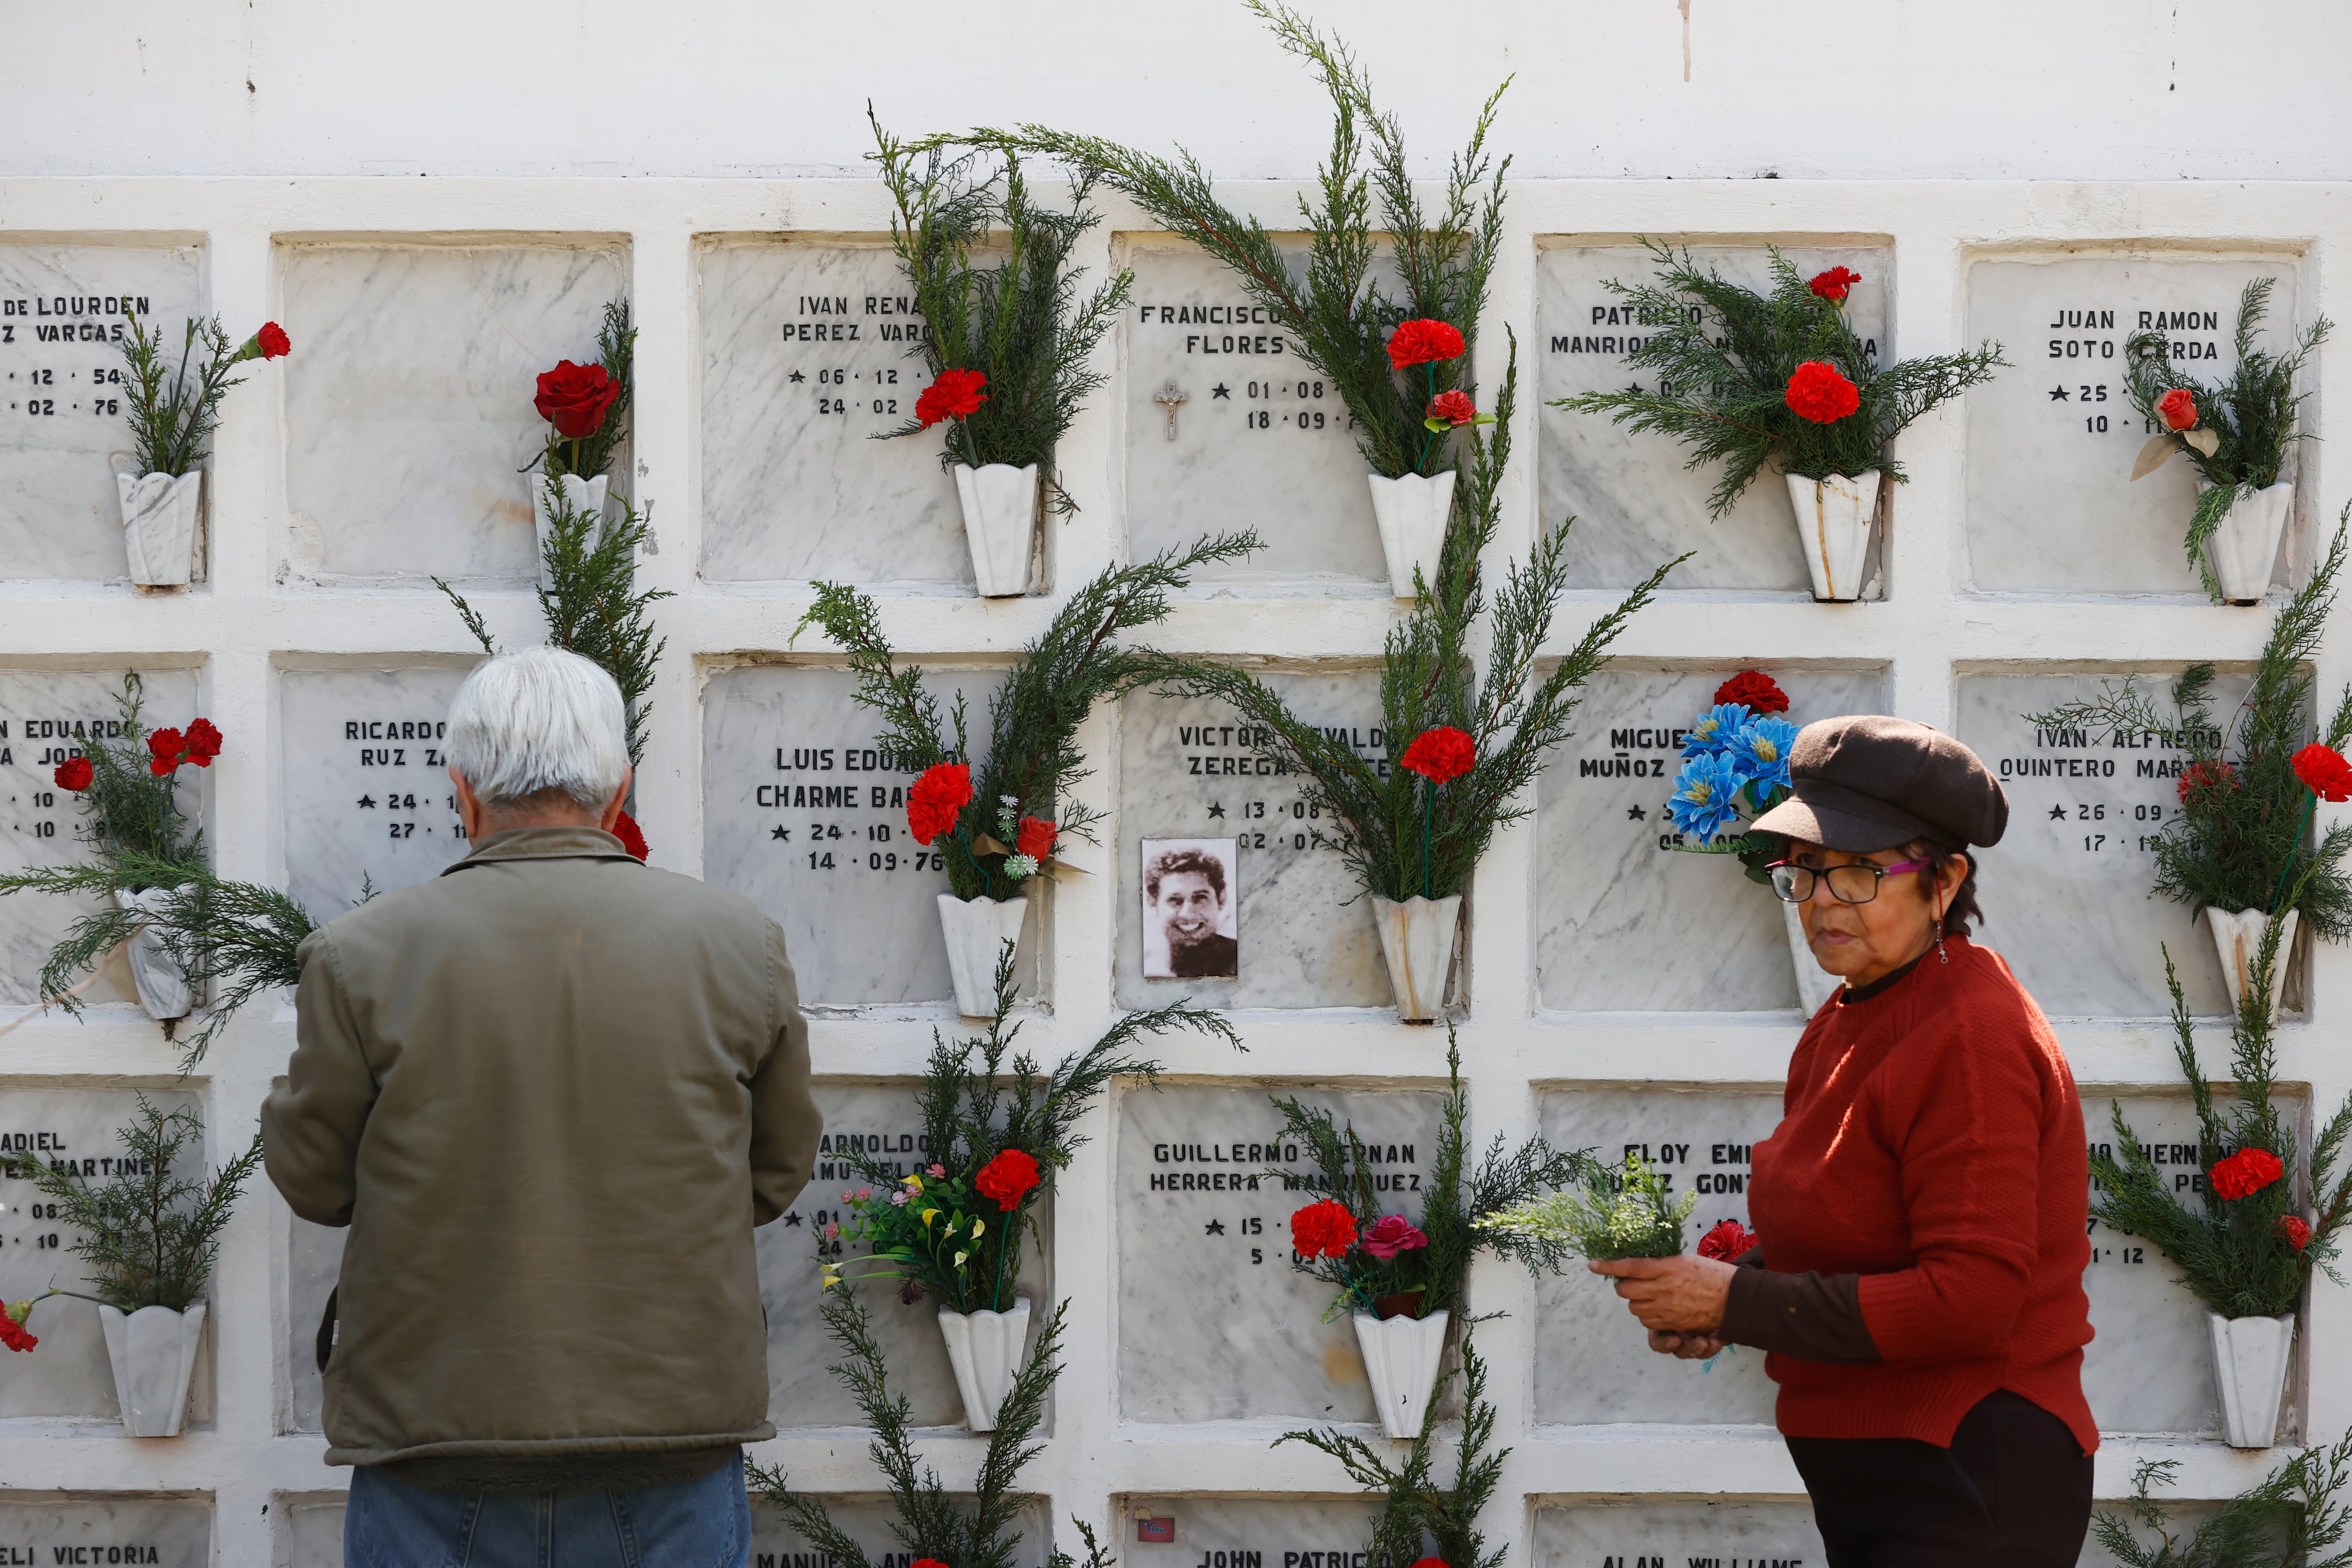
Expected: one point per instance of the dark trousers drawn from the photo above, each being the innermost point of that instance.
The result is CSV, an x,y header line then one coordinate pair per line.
x,y
2014,1489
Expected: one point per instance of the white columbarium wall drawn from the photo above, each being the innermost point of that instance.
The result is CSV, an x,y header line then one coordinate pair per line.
x,y
1615,995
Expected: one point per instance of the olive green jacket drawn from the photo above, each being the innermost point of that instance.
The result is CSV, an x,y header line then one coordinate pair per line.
x,y
551,1092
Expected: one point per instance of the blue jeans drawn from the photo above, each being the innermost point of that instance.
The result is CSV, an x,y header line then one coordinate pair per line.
x,y
700,1523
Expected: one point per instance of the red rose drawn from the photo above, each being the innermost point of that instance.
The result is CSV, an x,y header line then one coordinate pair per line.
x,y
1036,838
632,836
274,342
1833,285
1391,1234
1819,392
204,743
1322,1230
2297,1234
2246,1173
2324,771
169,748
2178,408
574,398
1440,755
1422,342
73,774
1727,1242
1430,1563
2206,775
1453,408
956,394
1006,1177
1754,689
938,796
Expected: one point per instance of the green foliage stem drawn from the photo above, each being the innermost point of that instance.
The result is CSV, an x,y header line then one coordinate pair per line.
x,y
171,412
2293,1518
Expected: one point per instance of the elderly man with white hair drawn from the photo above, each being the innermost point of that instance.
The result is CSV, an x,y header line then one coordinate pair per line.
x,y
551,1092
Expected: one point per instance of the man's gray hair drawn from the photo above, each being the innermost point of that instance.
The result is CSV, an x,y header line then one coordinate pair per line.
x,y
538,719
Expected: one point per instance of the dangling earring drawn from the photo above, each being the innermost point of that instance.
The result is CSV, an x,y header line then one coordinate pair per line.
x,y
1941,956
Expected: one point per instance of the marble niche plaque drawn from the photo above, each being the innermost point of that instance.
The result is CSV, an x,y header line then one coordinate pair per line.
x,y
1305,935
2069,892
69,1378
1634,503
408,401
809,353
1214,1324
868,1520
1250,435
879,1120
1625,922
311,1531
79,1528
62,325
314,1261
806,816
1243,1531
45,716
1704,1532
2051,505
369,802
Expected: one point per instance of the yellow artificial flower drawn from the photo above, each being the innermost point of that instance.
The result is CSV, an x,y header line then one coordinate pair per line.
x,y
961,1256
977,1227
928,1214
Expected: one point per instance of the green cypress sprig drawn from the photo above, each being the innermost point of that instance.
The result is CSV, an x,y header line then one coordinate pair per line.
x,y
2287,1519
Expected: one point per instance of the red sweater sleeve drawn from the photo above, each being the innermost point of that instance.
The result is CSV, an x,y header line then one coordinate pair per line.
x,y
1966,1123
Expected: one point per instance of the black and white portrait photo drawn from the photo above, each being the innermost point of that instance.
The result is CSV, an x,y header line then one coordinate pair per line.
x,y
1192,909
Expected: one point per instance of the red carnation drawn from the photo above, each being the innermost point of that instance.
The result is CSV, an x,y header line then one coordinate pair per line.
x,y
575,397
2246,1173
274,342
2206,775
2178,408
1819,392
632,836
1036,838
204,743
1006,1177
73,774
927,1563
2297,1234
943,791
956,394
1422,342
1727,1242
169,748
13,1334
1453,408
1440,755
1755,690
1430,1563
1833,285
1323,1230
2324,771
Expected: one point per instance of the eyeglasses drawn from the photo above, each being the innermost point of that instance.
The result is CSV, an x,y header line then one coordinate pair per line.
x,y
1852,884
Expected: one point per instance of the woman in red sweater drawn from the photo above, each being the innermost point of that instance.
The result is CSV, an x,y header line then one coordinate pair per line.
x,y
1922,1207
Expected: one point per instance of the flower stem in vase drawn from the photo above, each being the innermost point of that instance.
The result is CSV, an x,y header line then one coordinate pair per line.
x,y
2309,806
984,883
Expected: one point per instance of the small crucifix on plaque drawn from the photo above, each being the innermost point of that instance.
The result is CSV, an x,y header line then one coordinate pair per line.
x,y
1169,399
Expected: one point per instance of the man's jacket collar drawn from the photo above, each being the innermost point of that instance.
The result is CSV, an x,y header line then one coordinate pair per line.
x,y
544,843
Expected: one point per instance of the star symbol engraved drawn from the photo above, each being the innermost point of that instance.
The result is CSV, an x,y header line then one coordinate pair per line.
x,y
1222,390
1635,813
792,1216
1216,808
1214,1227
2057,394
367,803
2057,814
781,834
797,376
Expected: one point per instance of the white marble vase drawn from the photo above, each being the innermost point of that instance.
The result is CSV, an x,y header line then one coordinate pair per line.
x,y
2249,1357
1000,518
2244,545
153,1353
985,1349
164,988
977,930
587,500
1833,519
159,526
1412,512
2237,938
1400,1355
1815,984
1417,939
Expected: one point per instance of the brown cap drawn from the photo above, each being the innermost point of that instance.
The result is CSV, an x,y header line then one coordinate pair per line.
x,y
1867,782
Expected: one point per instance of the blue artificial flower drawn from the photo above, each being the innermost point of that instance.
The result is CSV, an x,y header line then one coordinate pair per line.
x,y
1761,750
1706,796
1711,733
